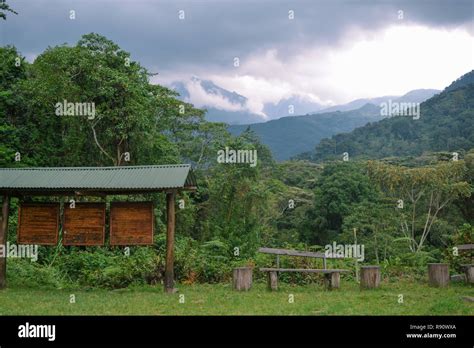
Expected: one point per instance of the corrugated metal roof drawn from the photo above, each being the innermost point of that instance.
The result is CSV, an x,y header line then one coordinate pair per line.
x,y
156,177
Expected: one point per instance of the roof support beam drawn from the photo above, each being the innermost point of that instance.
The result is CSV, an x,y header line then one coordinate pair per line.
x,y
170,228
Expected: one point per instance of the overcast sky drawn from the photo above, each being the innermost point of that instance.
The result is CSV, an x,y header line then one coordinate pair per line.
x,y
330,52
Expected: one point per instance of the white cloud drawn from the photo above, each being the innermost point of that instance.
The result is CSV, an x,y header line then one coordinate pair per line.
x,y
200,98
389,62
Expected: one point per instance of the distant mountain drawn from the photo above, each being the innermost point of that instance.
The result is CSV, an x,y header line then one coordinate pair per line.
x,y
415,96
210,88
289,136
231,117
180,87
464,80
206,94
295,105
232,108
446,123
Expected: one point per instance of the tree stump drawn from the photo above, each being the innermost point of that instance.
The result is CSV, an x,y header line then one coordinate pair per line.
x,y
273,281
438,274
469,269
242,280
369,277
333,280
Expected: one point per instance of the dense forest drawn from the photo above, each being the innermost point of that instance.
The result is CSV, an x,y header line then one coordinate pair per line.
x,y
303,204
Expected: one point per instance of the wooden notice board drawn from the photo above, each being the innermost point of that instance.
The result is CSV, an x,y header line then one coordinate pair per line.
x,y
84,224
38,223
131,223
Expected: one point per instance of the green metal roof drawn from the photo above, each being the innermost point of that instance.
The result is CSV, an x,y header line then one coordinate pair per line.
x,y
106,179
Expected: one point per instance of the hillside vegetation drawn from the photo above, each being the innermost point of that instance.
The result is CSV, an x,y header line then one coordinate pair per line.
x,y
289,136
446,123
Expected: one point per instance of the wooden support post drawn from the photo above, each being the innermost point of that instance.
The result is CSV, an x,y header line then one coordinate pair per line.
x,y
369,277
438,274
3,241
273,280
170,226
333,280
242,278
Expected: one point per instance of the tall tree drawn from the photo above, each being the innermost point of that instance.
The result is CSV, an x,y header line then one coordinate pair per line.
x,y
340,186
4,8
134,121
424,193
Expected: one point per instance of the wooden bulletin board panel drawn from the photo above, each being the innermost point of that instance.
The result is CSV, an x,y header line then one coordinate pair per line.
x,y
131,223
84,224
38,223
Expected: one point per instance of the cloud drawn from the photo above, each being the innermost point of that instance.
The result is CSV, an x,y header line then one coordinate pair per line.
x,y
201,98
331,52
214,32
389,62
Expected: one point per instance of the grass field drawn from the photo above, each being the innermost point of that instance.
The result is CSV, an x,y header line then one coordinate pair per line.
x,y
220,299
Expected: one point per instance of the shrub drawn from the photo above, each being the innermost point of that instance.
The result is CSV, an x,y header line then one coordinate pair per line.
x,y
25,273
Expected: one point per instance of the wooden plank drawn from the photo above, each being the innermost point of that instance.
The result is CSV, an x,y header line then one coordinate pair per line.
x,y
38,223
289,252
131,223
170,228
3,240
85,224
465,247
305,270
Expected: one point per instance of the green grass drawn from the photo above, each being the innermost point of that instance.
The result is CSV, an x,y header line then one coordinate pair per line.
x,y
220,299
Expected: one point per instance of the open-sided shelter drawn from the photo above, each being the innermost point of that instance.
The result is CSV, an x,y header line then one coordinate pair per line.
x,y
97,181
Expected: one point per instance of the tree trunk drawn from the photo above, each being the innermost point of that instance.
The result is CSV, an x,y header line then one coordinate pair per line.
x,y
242,280
369,277
438,274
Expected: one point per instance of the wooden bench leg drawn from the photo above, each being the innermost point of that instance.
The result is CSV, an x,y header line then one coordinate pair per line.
x,y
333,280
273,281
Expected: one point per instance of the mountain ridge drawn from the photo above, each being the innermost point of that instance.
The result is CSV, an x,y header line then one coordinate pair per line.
x,y
288,135
446,124
234,108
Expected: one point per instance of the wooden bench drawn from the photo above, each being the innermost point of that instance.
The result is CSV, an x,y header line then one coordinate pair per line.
x,y
332,276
